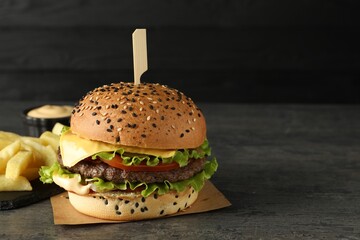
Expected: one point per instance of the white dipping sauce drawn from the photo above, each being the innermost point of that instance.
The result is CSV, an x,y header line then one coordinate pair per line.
x,y
51,111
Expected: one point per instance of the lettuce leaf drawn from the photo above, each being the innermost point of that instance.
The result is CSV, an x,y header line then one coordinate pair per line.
x,y
46,172
99,185
181,156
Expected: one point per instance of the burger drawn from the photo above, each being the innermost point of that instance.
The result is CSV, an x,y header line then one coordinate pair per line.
x,y
132,152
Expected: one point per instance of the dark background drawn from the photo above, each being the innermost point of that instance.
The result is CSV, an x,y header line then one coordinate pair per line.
x,y
215,51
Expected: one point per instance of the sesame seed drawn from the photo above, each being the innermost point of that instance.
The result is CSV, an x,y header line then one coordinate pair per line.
x,y
181,135
157,111
107,106
119,129
131,125
141,109
194,119
108,120
173,126
97,122
143,135
154,125
141,102
148,118
123,111
94,113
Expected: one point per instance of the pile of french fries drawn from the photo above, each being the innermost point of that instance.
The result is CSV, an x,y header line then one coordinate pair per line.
x,y
22,156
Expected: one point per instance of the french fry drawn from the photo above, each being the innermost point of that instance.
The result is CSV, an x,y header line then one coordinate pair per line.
x,y
17,164
18,184
34,139
9,135
4,142
7,152
57,129
47,153
51,139
22,156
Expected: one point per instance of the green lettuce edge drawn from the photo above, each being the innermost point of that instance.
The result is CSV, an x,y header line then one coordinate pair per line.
x,y
181,156
197,181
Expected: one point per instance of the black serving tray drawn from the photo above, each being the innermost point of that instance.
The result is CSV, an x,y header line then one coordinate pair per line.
x,y
17,199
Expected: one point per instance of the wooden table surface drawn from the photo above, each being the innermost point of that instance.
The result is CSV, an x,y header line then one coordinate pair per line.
x,y
290,172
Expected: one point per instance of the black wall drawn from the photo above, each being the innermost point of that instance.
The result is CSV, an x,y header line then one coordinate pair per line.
x,y
237,50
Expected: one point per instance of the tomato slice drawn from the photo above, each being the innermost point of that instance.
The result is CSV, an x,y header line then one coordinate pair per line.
x,y
117,162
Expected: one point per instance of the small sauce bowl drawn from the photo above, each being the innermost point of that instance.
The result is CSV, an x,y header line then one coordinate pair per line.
x,y
44,118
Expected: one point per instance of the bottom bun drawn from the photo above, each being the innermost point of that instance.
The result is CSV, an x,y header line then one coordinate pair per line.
x,y
132,206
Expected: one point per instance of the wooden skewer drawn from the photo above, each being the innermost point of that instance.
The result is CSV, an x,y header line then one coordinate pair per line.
x,y
139,54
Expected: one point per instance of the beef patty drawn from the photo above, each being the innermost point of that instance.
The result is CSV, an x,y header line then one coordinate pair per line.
x,y
97,168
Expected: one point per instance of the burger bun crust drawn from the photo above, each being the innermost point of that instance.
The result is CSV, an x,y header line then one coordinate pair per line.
x,y
130,207
145,115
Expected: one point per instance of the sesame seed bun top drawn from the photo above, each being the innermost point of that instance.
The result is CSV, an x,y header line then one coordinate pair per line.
x,y
145,115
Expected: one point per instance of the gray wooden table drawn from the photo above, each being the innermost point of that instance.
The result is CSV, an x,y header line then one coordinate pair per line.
x,y
290,171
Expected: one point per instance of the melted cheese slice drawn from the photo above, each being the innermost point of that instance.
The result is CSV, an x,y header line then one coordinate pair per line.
x,y
74,149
